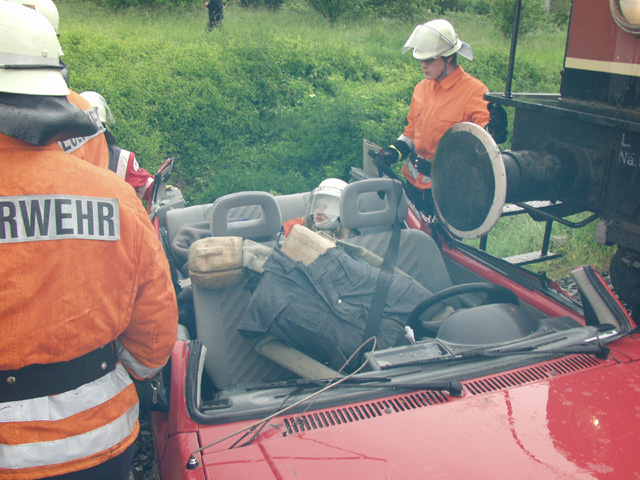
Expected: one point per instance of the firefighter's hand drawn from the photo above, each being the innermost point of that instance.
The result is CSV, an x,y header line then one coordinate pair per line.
x,y
389,156
497,125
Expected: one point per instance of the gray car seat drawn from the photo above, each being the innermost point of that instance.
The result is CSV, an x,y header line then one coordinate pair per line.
x,y
232,359
362,208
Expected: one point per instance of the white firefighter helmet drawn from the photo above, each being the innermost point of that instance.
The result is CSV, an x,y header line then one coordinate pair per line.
x,y
46,8
436,39
29,53
324,203
333,184
96,100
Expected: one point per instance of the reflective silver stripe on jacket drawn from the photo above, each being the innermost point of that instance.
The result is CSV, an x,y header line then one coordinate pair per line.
x,y
408,141
72,144
132,364
67,404
123,161
143,190
64,406
413,171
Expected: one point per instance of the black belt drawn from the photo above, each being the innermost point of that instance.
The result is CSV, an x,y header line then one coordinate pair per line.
x,y
422,165
39,380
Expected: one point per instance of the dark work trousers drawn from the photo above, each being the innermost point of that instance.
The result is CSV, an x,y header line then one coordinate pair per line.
x,y
215,13
422,199
116,468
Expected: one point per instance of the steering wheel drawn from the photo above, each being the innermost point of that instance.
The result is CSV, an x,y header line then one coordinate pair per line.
x,y
495,294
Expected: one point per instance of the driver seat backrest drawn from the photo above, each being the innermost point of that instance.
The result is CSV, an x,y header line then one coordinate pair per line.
x,y
362,208
231,359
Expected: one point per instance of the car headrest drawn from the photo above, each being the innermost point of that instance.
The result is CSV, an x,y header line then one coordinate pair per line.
x,y
252,215
361,205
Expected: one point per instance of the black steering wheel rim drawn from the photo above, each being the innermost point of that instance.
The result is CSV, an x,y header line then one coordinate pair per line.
x,y
495,294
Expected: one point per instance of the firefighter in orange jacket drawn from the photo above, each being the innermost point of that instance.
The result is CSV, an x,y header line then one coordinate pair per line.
x,y
86,298
91,148
121,161
448,95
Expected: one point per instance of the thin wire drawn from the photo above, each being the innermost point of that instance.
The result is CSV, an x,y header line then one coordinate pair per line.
x,y
344,365
256,432
309,397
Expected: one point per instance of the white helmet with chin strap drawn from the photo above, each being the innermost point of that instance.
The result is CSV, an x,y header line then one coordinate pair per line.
x,y
325,199
436,39
29,53
96,100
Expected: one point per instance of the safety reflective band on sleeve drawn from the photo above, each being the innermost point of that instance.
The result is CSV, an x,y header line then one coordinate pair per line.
x,y
132,364
413,171
61,407
143,190
17,60
123,161
72,144
407,140
30,218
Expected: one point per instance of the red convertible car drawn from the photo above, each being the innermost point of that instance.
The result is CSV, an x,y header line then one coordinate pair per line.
x,y
520,380
473,367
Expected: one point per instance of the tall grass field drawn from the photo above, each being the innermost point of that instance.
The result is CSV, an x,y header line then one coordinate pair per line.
x,y
277,100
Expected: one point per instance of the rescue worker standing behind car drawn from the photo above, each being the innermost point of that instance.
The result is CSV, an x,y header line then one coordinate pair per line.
x,y
86,296
121,161
448,95
90,148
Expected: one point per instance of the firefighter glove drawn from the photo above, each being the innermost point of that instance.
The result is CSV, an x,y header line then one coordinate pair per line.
x,y
497,125
389,156
394,152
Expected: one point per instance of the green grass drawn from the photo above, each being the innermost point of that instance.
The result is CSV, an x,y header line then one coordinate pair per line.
x,y
277,101
520,234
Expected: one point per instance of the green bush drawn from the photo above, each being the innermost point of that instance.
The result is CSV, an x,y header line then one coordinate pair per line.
x,y
532,15
560,10
270,4
121,4
330,9
480,7
418,11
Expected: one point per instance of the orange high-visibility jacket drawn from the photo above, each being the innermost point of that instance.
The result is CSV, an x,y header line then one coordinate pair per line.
x,y
92,149
80,266
437,106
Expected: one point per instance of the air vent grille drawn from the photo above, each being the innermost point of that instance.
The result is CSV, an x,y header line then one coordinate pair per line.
x,y
365,411
531,374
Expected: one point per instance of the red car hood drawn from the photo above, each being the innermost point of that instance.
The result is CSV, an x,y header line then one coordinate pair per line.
x,y
580,425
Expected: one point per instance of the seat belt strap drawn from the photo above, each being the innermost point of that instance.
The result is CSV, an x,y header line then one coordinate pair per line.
x,y
384,280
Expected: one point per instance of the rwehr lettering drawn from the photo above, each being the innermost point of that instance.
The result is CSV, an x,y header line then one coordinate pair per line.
x,y
31,218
